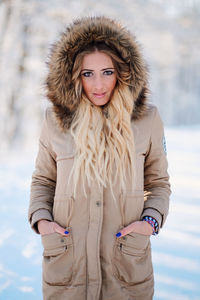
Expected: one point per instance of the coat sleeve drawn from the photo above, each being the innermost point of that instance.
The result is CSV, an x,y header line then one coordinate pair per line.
x,y
156,178
43,180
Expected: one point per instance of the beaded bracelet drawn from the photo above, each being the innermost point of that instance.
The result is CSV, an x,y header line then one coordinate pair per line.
x,y
153,223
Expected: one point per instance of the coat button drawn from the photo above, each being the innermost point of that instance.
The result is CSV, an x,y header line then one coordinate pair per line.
x,y
98,203
62,240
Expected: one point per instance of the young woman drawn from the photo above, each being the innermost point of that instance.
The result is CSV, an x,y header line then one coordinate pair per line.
x,y
100,188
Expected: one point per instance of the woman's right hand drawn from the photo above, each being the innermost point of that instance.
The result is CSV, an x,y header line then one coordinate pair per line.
x,y
48,227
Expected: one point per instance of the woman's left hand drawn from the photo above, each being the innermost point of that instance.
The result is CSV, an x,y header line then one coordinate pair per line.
x,y
141,227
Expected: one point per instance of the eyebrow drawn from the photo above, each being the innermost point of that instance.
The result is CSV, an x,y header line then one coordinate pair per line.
x,y
101,70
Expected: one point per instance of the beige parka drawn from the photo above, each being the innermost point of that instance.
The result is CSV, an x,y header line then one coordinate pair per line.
x,y
91,263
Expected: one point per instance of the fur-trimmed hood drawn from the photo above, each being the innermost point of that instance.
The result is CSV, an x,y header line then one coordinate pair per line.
x,y
61,90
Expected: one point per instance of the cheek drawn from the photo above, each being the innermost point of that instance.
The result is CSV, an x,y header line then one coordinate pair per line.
x,y
113,84
86,86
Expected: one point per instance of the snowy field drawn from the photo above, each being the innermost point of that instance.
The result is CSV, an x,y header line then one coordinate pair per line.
x,y
176,251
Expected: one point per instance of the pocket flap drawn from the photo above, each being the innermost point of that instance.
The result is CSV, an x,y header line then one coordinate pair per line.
x,y
135,240
55,243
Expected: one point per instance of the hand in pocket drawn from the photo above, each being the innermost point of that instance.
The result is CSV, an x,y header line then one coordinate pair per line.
x,y
140,227
48,227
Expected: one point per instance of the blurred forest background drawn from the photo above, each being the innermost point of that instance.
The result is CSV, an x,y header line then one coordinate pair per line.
x,y
168,32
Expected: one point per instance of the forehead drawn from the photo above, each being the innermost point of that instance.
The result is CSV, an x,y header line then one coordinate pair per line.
x,y
97,60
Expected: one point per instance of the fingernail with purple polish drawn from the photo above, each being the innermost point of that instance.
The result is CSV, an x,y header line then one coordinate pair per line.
x,y
118,234
66,232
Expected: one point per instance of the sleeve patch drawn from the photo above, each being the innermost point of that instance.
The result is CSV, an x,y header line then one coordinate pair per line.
x,y
164,144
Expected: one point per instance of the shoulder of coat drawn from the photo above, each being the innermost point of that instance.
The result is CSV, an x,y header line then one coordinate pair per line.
x,y
49,115
149,113
151,109
51,118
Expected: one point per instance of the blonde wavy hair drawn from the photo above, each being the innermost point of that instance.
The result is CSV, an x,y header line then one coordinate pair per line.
x,y
102,134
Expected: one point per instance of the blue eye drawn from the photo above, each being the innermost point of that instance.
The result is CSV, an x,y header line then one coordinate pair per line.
x,y
108,72
87,74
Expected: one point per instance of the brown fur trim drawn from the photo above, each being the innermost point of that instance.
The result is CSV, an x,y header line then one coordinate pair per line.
x,y
60,89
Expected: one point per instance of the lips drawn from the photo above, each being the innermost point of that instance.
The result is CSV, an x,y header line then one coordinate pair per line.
x,y
99,95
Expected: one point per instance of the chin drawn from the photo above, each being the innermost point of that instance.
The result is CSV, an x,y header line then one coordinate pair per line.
x,y
99,102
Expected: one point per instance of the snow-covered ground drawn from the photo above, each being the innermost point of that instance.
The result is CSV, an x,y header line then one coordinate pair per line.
x,y
176,251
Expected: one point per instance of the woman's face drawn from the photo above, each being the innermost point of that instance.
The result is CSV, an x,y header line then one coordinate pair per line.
x,y
98,77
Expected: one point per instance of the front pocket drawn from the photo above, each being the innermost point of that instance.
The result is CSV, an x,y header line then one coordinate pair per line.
x,y
132,258
57,259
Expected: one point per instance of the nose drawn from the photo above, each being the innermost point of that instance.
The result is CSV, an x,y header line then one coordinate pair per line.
x,y
98,83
